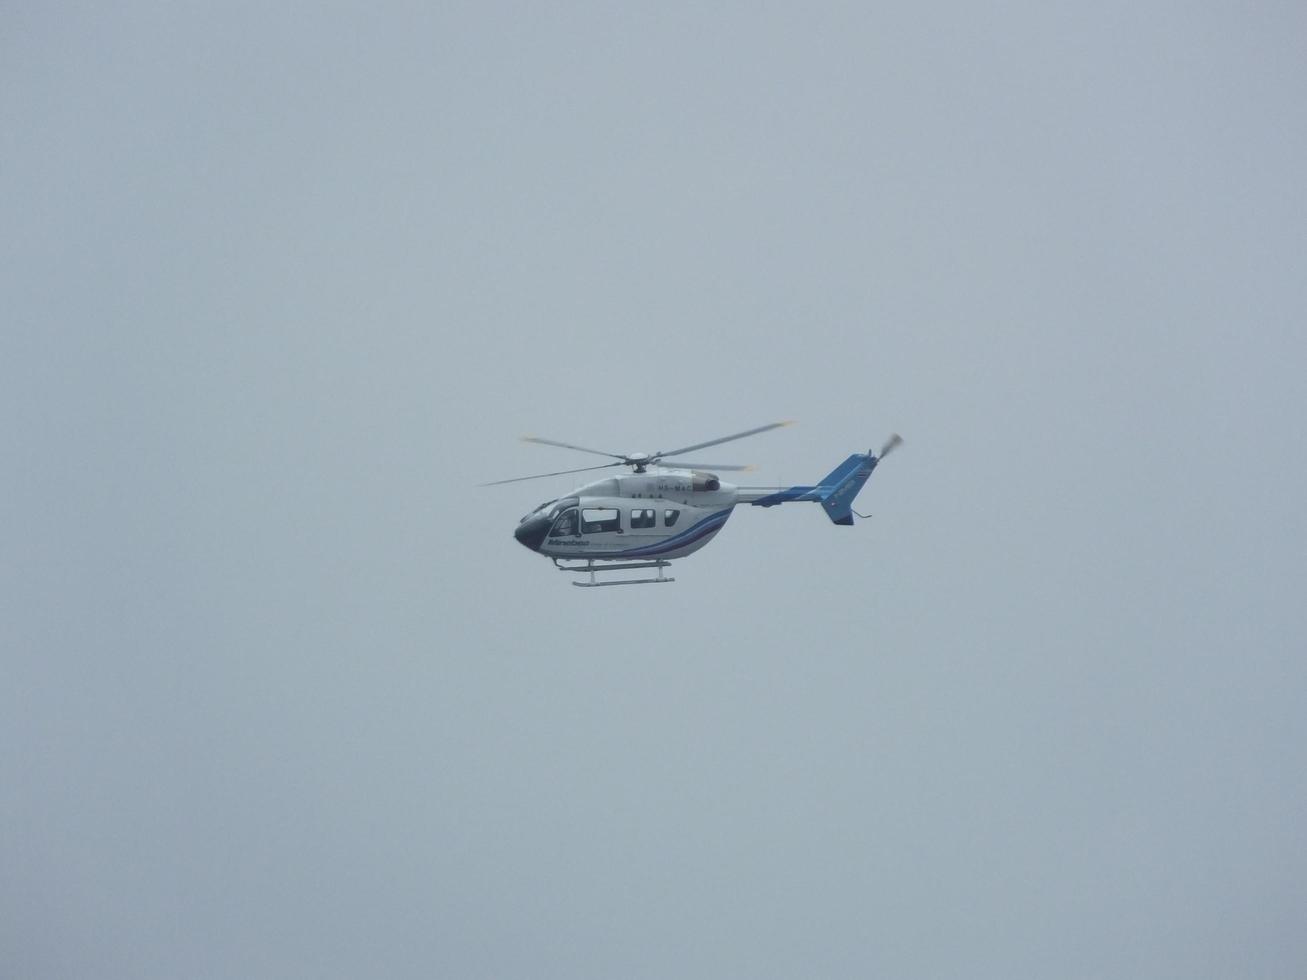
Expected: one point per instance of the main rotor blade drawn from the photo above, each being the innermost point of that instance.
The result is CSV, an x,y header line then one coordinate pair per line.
x,y
717,442
724,467
541,476
568,445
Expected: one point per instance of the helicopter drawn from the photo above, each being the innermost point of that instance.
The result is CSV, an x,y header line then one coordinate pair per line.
x,y
664,508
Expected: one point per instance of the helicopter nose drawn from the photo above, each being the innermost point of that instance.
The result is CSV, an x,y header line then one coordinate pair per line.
x,y
531,532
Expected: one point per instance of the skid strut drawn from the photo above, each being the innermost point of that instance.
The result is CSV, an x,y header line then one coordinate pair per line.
x,y
591,569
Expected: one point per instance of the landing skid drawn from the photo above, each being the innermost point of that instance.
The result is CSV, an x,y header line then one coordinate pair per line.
x,y
591,568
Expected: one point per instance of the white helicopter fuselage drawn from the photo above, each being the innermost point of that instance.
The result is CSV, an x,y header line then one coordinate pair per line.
x,y
652,515
660,512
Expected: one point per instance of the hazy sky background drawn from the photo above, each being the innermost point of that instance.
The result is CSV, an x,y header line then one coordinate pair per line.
x,y
281,696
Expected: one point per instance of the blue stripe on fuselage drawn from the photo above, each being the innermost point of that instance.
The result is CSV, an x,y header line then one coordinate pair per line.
x,y
691,534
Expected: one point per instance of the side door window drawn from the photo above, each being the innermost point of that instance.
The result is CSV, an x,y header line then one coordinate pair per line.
x,y
596,520
642,518
670,516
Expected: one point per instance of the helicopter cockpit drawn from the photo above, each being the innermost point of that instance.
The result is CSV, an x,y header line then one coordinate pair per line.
x,y
564,525
553,518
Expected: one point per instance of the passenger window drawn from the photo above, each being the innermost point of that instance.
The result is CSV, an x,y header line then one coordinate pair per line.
x,y
565,524
596,520
642,518
670,516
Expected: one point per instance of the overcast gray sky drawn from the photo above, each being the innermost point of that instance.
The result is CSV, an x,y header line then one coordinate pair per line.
x,y
280,694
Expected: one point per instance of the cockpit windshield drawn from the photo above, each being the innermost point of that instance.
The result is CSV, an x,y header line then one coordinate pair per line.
x,y
550,508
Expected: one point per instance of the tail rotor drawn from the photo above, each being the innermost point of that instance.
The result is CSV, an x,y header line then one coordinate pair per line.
x,y
890,444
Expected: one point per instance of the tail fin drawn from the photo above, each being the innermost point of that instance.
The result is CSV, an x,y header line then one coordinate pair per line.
x,y
838,488
841,485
